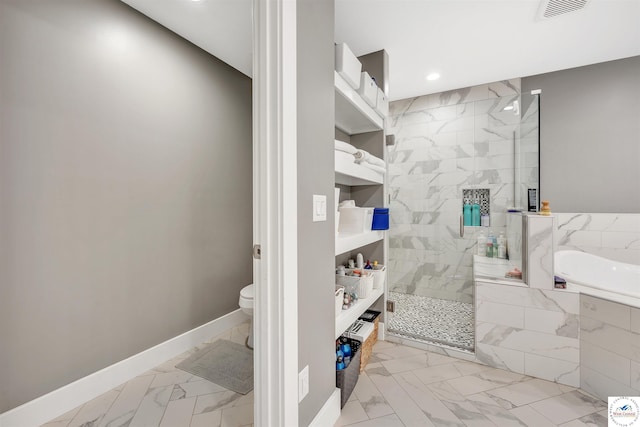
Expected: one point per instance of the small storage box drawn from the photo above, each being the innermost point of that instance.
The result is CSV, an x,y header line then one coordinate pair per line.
x,y
347,65
368,89
362,285
382,104
347,378
355,220
380,219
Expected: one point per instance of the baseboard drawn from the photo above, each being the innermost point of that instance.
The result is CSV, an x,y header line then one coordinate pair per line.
x,y
329,413
66,398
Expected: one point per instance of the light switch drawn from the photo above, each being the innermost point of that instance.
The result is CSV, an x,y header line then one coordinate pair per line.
x,y
319,208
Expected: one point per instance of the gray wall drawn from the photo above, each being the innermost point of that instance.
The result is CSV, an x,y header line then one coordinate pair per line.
x,y
125,189
315,176
590,137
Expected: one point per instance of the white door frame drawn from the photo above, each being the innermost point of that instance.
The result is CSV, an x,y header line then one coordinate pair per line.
x,y
275,213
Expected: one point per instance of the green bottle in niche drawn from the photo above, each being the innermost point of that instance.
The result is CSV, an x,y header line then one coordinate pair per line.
x,y
475,214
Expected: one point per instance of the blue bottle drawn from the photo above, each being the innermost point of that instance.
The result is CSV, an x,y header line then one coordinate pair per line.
x,y
345,347
475,215
340,364
466,214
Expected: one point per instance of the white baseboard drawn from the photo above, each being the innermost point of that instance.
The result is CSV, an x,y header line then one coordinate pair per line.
x,y
329,413
70,396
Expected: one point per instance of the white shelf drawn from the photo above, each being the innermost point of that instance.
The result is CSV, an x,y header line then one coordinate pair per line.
x,y
352,174
347,317
353,114
349,241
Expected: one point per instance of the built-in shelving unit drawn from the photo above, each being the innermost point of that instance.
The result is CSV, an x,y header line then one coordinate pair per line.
x,y
352,174
353,114
347,317
346,242
354,117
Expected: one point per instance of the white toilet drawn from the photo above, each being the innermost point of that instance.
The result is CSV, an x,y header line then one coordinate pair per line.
x,y
246,304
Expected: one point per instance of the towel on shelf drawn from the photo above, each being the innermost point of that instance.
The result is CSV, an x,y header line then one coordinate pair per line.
x,y
346,156
345,147
366,157
373,167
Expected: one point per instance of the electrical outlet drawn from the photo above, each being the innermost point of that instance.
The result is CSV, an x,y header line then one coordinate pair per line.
x,y
303,383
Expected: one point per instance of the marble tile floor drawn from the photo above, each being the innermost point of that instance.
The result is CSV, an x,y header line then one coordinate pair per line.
x,y
432,319
406,387
167,397
401,386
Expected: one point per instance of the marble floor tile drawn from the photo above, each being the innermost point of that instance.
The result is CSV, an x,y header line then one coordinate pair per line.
x,y
434,374
404,386
527,392
568,406
386,421
352,413
372,401
530,417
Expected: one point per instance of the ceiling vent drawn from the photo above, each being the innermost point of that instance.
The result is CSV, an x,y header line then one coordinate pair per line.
x,y
552,8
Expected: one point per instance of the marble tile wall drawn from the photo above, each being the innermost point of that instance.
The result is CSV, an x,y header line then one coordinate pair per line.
x,y
539,251
445,143
610,235
609,348
529,331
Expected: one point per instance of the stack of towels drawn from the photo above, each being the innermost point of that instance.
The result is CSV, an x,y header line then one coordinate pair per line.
x,y
360,157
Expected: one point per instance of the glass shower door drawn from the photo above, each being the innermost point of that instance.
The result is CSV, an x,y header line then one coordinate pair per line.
x,y
443,155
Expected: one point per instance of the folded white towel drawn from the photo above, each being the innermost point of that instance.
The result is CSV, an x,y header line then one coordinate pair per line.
x,y
345,147
342,155
365,156
374,167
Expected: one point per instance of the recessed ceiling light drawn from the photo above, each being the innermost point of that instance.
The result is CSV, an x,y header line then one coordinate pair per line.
x,y
433,76
508,108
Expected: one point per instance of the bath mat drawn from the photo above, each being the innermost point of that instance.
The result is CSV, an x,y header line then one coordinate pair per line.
x,y
223,362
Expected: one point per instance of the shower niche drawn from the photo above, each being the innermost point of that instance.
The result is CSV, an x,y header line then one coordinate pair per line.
x,y
480,197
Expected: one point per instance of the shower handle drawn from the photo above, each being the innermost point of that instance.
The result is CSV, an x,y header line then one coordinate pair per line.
x,y
461,226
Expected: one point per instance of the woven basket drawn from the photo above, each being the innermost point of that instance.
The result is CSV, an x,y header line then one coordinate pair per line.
x,y
367,345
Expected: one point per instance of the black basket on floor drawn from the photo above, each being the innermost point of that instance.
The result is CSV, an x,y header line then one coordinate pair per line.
x,y
347,378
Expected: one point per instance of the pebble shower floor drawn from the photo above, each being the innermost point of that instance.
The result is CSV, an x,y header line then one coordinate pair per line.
x,y
431,319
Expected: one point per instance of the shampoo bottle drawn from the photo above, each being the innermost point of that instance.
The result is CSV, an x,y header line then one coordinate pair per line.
x,y
475,214
482,243
466,214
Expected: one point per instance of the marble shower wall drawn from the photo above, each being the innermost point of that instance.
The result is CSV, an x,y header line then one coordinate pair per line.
x,y
610,235
445,143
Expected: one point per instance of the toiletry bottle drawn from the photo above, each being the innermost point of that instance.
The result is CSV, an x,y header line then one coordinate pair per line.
x,y
466,214
340,363
345,347
502,246
482,244
368,266
484,220
475,214
359,261
489,249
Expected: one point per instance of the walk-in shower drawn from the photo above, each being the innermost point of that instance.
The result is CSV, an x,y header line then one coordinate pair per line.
x,y
452,148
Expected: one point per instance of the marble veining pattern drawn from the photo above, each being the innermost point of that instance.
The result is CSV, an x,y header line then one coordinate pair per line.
x,y
167,397
446,391
530,331
611,235
431,319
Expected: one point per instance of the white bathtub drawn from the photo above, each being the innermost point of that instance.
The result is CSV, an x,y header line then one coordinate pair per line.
x,y
599,277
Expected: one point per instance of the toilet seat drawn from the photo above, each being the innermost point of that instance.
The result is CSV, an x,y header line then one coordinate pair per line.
x,y
246,297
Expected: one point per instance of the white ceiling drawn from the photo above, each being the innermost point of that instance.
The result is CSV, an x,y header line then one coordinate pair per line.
x,y
468,42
